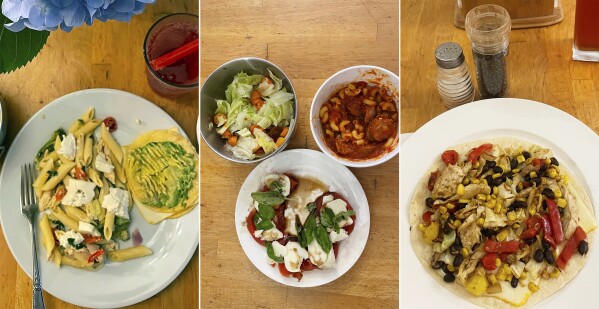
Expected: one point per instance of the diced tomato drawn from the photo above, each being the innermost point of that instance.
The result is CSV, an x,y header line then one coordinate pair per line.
x,y
432,180
60,193
110,123
307,265
570,248
80,174
503,256
249,222
450,157
488,261
533,226
95,255
536,162
555,220
548,232
476,152
503,246
426,217
89,239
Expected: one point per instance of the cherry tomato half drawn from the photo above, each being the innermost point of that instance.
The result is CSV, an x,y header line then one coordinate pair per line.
x,y
110,123
80,174
450,157
60,193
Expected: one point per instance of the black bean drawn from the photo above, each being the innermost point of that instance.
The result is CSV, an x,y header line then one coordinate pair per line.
x,y
554,161
458,242
530,241
485,169
437,264
543,168
457,260
583,247
455,249
497,182
489,179
429,202
446,228
490,164
505,176
546,246
539,256
514,282
488,232
536,180
513,163
526,154
519,204
460,206
549,257
449,278
561,211
497,169
548,193
445,269
527,177
542,173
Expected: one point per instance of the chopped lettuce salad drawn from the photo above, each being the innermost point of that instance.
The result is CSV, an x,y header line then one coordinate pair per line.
x,y
256,116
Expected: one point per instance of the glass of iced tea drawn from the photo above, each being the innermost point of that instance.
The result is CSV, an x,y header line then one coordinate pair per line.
x,y
586,31
167,35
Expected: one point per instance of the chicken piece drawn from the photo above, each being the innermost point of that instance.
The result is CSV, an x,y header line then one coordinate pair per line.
x,y
469,232
465,212
493,220
469,266
571,217
448,181
472,190
381,128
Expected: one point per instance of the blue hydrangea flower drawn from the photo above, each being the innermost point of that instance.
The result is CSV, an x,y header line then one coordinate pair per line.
x,y
67,14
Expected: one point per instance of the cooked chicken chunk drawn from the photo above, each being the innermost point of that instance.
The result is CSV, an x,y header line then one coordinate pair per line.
x,y
447,183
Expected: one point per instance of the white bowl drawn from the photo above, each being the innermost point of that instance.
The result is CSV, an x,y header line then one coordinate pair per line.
x,y
368,73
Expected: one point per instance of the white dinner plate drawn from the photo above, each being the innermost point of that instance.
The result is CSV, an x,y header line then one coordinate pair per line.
x,y
574,144
304,162
117,284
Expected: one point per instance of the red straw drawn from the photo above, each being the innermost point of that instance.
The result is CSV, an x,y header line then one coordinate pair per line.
x,y
175,55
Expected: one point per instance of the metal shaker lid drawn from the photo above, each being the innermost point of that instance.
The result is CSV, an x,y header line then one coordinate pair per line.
x,y
449,55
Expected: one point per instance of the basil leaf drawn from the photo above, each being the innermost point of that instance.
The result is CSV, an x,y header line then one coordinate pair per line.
x,y
256,218
271,198
344,215
311,207
310,229
322,237
301,235
275,185
326,218
336,227
271,253
266,211
71,241
265,225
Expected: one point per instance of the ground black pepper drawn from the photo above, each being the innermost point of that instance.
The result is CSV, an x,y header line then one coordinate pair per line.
x,y
491,74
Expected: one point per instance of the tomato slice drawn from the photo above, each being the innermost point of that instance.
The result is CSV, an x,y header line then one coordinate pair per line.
x,y
110,123
476,152
488,261
450,157
95,255
60,193
89,239
287,273
500,247
570,248
307,265
249,222
555,220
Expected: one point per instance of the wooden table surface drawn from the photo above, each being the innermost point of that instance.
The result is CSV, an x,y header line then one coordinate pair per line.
x,y
105,55
310,40
540,65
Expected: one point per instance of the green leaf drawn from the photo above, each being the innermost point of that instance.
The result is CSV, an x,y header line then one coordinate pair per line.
x,y
18,48
265,225
256,218
271,253
275,185
311,207
327,218
271,198
344,215
266,211
310,229
322,237
301,235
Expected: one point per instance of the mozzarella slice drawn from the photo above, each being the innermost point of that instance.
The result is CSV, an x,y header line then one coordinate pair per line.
x,y
272,234
337,206
294,257
320,258
338,237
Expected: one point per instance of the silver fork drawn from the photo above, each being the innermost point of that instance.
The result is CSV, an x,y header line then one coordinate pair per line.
x,y
29,208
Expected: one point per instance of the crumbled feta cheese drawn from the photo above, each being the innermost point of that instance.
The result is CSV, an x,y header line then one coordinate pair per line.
x,y
64,239
347,222
290,222
68,147
327,198
258,233
338,237
102,164
86,228
337,206
117,202
79,192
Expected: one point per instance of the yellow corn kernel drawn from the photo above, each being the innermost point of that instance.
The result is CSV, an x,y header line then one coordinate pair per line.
x,y
497,262
495,190
516,226
457,223
476,165
421,227
502,167
443,210
450,267
561,202
543,181
493,196
516,170
533,174
492,279
520,159
552,173
533,287
466,181
501,276
484,181
528,161
489,205
565,179
532,210
523,275
555,273
460,190
496,175
509,278
547,161
465,252
520,187
521,199
502,235
450,206
463,201
480,221
481,197
489,196
511,216
445,216
558,193
497,209
507,269
475,181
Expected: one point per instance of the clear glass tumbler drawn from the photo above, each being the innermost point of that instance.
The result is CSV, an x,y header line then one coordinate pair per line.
x,y
586,31
488,27
168,34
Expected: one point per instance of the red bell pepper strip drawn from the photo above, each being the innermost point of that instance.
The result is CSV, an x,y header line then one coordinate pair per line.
x,y
556,222
570,248
533,226
488,261
536,162
548,232
433,179
476,152
500,247
94,255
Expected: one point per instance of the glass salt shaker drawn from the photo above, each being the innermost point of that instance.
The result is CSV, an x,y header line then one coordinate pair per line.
x,y
488,27
453,76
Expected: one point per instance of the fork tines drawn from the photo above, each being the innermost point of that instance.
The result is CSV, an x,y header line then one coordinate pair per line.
x,y
27,178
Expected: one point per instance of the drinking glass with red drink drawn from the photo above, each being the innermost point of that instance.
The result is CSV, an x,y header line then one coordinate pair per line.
x,y
586,31
171,52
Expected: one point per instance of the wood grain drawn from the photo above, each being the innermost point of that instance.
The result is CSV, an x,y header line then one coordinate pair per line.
x,y
310,40
103,55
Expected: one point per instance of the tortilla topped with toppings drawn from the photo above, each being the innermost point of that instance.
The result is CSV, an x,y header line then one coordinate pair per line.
x,y
501,223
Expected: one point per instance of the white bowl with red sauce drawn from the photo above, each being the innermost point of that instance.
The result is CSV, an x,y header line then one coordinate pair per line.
x,y
374,77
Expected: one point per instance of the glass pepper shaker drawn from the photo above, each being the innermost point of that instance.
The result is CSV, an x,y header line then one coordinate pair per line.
x,y
488,27
453,77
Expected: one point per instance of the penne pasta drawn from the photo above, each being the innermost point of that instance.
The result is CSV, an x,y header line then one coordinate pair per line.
x,y
47,236
76,213
62,171
88,115
77,124
88,150
80,142
65,219
88,127
56,257
129,253
118,169
93,175
112,145
108,225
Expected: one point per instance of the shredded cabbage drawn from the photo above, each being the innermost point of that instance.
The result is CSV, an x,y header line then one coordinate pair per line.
x,y
265,141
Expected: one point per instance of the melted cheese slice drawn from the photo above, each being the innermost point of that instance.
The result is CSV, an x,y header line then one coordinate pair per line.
x,y
587,220
514,296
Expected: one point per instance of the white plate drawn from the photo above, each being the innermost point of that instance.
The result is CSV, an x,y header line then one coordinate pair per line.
x,y
574,145
304,162
116,284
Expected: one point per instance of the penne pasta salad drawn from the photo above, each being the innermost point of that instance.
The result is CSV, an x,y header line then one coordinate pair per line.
x,y
83,195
